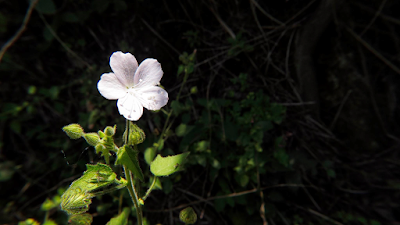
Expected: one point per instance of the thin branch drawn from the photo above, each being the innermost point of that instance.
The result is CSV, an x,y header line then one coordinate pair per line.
x,y
376,16
375,52
62,43
159,36
20,30
266,14
224,196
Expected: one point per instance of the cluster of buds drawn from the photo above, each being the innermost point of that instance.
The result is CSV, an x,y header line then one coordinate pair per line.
x,y
102,141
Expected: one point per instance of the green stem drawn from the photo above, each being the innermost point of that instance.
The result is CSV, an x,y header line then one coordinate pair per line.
x,y
177,99
150,188
131,185
133,194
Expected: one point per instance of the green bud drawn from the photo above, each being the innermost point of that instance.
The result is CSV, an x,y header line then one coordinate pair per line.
x,y
92,138
74,131
188,216
100,148
193,90
110,131
101,134
136,135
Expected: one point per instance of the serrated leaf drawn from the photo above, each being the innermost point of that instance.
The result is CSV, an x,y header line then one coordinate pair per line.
x,y
129,157
96,180
121,219
165,166
80,219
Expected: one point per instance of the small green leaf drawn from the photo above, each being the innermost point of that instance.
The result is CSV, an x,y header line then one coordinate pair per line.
x,y
165,166
49,222
149,154
188,216
128,157
181,130
121,219
80,219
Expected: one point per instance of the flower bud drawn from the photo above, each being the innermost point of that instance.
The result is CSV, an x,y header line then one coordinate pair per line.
x,y
110,131
74,131
188,216
100,148
101,134
92,138
136,135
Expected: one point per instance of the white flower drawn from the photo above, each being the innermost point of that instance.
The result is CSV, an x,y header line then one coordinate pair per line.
x,y
134,86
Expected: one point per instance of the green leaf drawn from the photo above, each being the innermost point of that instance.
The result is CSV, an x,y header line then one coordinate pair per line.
x,y
80,219
49,222
181,130
165,166
128,157
96,180
149,154
46,7
121,219
242,180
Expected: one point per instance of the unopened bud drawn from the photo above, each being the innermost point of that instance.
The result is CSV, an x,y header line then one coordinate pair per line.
x,y
136,135
110,131
188,216
92,138
74,131
101,134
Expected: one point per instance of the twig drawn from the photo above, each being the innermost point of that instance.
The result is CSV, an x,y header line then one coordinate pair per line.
x,y
62,43
266,14
159,36
371,49
225,196
20,30
223,24
376,16
340,109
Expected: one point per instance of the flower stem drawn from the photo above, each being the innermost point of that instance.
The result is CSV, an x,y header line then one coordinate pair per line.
x,y
150,188
133,194
131,185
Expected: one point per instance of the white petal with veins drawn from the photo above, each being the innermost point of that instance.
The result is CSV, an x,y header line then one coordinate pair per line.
x,y
110,87
130,107
124,66
149,73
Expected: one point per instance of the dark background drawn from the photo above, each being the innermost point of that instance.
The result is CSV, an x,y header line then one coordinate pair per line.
x,y
290,108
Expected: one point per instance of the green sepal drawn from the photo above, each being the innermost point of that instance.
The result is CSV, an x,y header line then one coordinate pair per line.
x,y
136,135
96,180
80,219
165,166
121,219
128,157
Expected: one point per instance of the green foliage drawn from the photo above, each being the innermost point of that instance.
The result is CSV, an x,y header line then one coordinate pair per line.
x,y
188,215
165,166
80,219
136,135
7,170
121,219
96,180
129,157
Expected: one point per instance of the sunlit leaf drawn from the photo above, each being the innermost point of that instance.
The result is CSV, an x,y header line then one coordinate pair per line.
x,y
165,166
